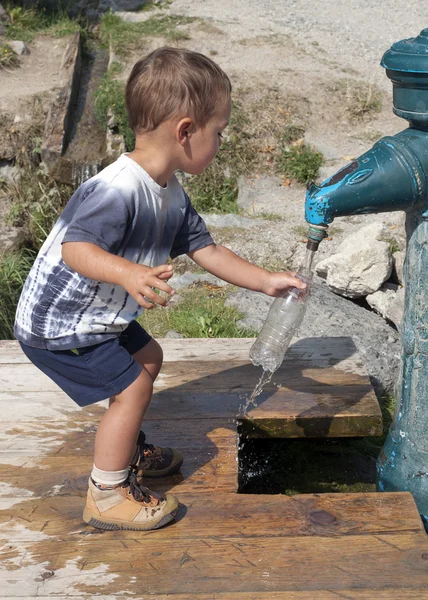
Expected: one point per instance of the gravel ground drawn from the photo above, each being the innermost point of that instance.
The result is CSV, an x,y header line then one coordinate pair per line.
x,y
354,32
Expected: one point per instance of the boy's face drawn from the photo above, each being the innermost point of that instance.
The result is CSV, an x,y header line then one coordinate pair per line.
x,y
204,143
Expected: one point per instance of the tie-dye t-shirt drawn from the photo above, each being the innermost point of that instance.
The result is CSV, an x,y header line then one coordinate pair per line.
x,y
123,211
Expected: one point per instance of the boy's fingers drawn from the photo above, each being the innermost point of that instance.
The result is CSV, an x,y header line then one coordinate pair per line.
x,y
299,284
166,275
162,269
164,287
153,297
143,302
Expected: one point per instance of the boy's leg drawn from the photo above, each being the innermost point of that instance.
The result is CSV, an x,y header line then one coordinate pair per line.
x,y
153,461
114,504
118,429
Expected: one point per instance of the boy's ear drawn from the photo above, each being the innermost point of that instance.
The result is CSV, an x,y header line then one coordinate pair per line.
x,y
184,130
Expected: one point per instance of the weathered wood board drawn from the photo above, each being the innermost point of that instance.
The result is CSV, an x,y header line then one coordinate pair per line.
x,y
321,390
224,546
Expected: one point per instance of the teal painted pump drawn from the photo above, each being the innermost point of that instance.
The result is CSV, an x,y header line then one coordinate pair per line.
x,y
393,175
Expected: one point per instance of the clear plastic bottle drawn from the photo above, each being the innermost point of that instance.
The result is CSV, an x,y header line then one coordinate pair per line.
x,y
283,320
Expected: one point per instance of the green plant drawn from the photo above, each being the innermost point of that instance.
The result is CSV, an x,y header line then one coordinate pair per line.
x,y
213,190
123,36
14,268
28,22
216,190
394,246
111,95
291,133
8,58
200,313
36,203
300,162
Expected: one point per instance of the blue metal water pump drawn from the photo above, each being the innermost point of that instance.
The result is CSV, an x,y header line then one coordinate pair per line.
x,y
393,175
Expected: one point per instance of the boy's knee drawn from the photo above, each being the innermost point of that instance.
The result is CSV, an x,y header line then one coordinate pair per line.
x,y
150,358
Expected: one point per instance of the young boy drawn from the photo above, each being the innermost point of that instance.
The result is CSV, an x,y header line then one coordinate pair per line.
x,y
97,269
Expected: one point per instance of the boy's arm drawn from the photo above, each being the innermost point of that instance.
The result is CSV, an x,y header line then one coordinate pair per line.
x,y
138,280
224,263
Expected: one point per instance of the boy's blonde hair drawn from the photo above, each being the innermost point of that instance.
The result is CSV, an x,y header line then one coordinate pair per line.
x,y
170,81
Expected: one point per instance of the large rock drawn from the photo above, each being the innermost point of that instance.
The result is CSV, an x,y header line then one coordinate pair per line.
x,y
330,315
360,264
388,302
59,120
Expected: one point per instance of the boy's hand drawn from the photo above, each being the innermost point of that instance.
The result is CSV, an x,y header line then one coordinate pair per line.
x,y
141,279
278,284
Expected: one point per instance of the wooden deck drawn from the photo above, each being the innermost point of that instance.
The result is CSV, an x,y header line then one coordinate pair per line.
x,y
224,546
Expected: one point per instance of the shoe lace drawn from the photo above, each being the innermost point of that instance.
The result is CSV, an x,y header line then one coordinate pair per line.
x,y
143,447
139,492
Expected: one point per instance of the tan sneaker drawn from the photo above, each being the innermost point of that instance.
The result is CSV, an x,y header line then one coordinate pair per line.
x,y
155,461
128,506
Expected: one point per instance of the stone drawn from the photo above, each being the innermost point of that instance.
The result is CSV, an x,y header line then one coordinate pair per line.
x,y
174,335
59,120
4,17
397,267
360,265
10,239
384,299
230,220
8,171
178,282
329,315
19,47
396,309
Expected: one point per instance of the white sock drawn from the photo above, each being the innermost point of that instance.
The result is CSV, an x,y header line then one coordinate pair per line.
x,y
110,478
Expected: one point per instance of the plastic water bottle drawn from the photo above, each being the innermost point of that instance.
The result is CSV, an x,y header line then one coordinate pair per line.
x,y
284,319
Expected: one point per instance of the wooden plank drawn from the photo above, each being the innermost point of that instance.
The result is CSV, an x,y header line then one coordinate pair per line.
x,y
315,413
375,593
214,515
218,565
320,351
200,376
318,394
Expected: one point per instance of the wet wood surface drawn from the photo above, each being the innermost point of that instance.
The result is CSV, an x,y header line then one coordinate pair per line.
x,y
321,390
224,545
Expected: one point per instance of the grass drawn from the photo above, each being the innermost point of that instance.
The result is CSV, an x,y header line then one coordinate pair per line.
x,y
36,200
111,96
36,203
200,313
300,162
216,190
394,246
26,23
14,268
123,37
359,98
313,466
8,58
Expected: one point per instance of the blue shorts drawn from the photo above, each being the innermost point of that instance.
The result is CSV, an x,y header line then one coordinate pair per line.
x,y
95,372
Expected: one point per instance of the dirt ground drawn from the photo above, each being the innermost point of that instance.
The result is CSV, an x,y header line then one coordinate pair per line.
x,y
38,74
